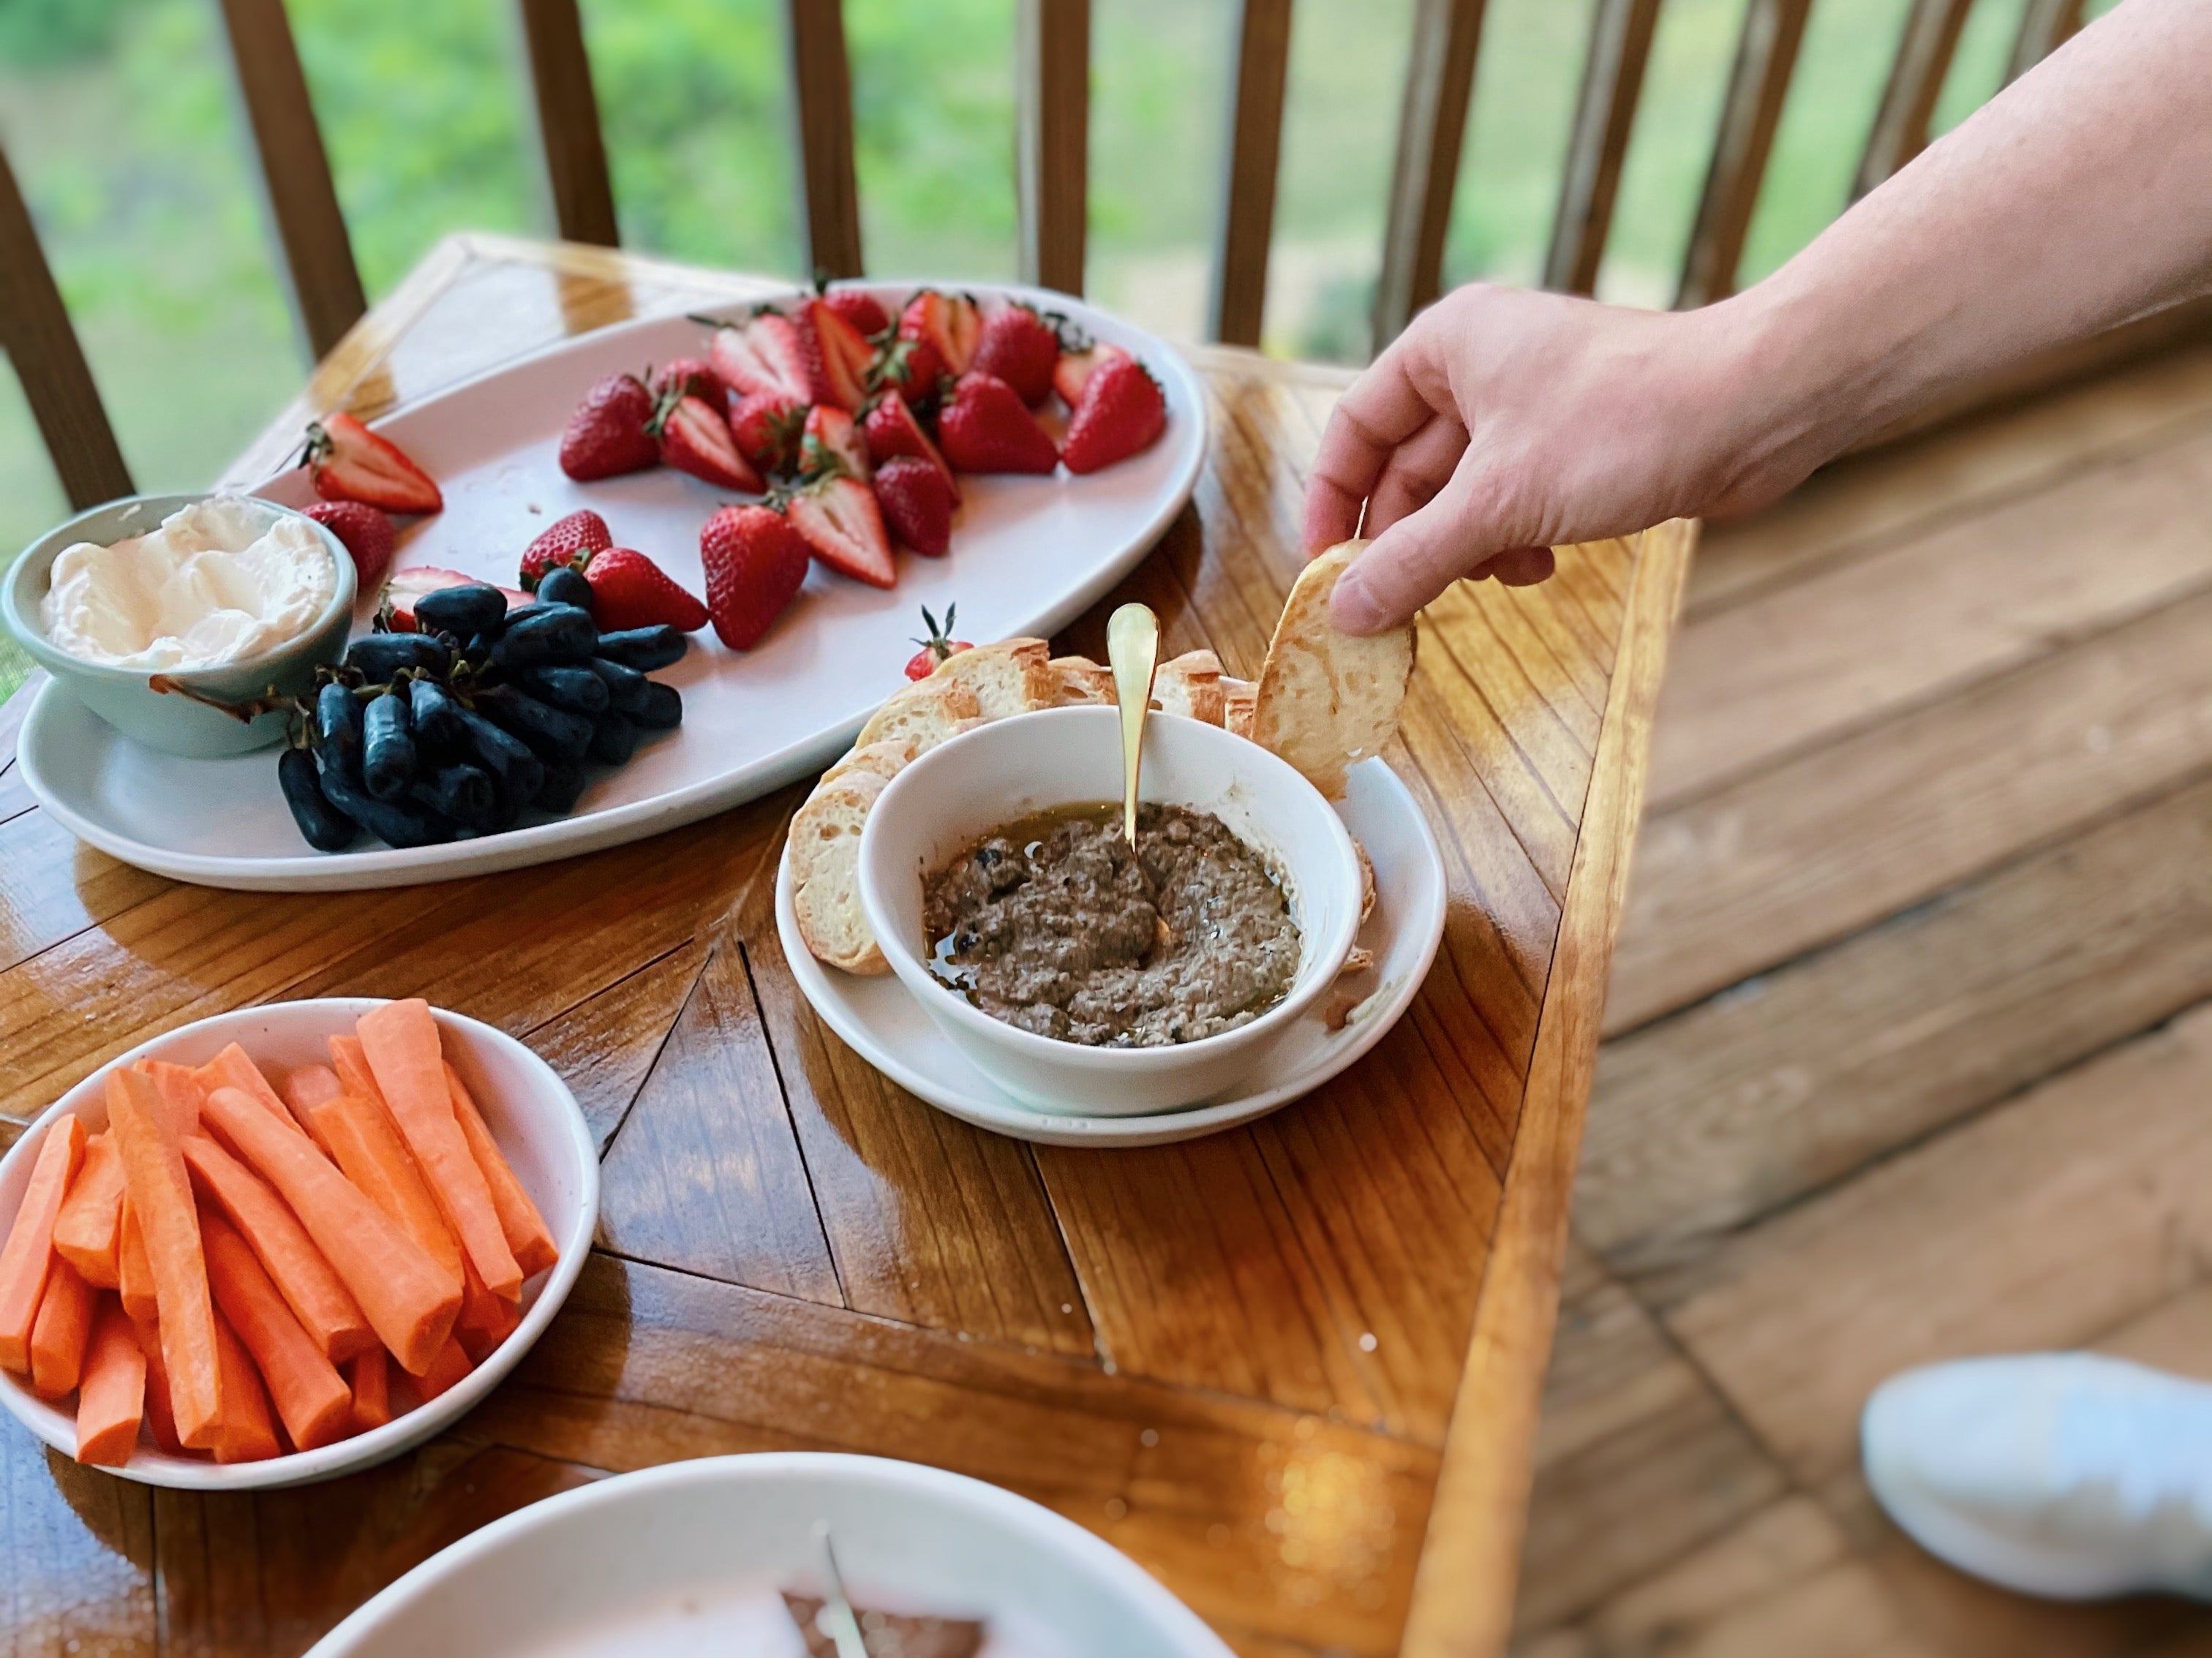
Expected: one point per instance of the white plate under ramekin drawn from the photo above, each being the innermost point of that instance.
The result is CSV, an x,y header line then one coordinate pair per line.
x,y
539,1127
603,1559
880,1020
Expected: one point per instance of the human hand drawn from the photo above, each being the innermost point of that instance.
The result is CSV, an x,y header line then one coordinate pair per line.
x,y
1505,423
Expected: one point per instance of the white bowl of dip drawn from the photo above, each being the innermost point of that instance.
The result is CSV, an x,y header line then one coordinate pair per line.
x,y
140,606
957,793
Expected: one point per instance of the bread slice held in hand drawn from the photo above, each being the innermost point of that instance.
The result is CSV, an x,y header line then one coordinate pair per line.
x,y
1326,699
825,872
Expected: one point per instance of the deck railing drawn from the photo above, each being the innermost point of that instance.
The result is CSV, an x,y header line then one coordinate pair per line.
x,y
1053,58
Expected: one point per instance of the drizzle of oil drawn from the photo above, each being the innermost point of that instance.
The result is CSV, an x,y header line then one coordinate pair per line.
x,y
1029,832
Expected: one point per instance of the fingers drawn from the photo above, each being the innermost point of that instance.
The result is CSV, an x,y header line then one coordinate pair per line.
x,y
1416,470
1413,561
1381,411
1520,567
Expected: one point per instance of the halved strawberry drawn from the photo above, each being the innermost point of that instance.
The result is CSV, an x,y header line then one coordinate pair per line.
x,y
858,307
1021,348
916,505
754,562
606,435
367,533
833,443
1075,366
838,519
694,438
412,583
913,367
761,354
629,590
1122,411
766,426
837,355
570,541
346,461
985,426
892,430
950,322
695,375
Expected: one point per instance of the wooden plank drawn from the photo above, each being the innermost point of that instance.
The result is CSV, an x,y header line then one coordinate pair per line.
x,y
1612,81
1815,848
569,122
1463,1595
303,202
1053,72
50,365
1766,57
1908,100
51,888
1432,125
605,1046
822,109
2045,26
1239,301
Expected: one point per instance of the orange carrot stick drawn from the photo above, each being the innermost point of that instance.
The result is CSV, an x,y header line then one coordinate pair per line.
x,y
367,1149
58,1339
246,1434
312,1398
234,1068
451,1364
486,1320
89,1227
162,1199
305,1087
158,1416
111,1400
405,1298
134,1273
354,1074
316,1296
524,1228
401,1040
29,1250
181,1093
371,1375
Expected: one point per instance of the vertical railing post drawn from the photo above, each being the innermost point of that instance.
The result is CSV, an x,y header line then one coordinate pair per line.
x,y
1766,57
822,108
1432,123
569,122
1908,102
2044,28
1605,114
1053,72
1255,141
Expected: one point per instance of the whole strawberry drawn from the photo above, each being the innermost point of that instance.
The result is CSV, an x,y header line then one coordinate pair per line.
x,y
366,534
985,426
892,430
1121,412
695,374
939,647
607,436
694,438
766,426
1075,366
860,308
916,505
629,590
913,367
567,543
755,563
1021,348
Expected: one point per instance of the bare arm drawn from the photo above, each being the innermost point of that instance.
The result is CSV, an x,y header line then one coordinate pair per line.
x,y
1503,423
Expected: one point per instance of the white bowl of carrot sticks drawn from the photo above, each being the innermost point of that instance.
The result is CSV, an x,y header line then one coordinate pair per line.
x,y
287,1242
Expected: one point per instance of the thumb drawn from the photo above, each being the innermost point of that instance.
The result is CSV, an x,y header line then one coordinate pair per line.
x,y
1420,556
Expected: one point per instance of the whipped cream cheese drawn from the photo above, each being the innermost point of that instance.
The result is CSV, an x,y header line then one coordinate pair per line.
x,y
220,581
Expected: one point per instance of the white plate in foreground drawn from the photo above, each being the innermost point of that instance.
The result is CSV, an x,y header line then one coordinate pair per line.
x,y
880,1020
1028,555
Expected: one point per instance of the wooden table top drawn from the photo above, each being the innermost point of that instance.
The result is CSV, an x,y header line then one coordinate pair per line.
x,y
1292,1369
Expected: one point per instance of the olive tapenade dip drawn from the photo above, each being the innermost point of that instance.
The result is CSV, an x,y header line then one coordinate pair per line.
x,y
1053,924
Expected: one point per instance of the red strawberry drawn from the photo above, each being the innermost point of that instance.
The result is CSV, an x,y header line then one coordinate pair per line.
x,y
695,439
937,647
367,533
1075,367
841,526
606,435
629,590
914,367
695,374
985,426
892,430
410,584
1121,412
916,505
949,322
833,443
860,308
766,426
346,461
570,541
837,355
755,563
761,354
1021,348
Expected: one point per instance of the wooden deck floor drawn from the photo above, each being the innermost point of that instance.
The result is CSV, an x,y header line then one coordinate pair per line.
x,y
1909,1041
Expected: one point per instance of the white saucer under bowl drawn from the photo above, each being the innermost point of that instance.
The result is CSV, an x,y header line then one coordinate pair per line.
x,y
880,1020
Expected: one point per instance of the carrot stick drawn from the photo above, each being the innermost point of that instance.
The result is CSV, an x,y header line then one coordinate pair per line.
x,y
401,1041
247,1434
486,1320
161,1198
371,1374
312,1398
451,1364
353,1072
134,1273
405,1298
58,1339
89,1227
234,1068
316,1296
181,1093
111,1400
305,1088
158,1416
366,1145
524,1228
29,1250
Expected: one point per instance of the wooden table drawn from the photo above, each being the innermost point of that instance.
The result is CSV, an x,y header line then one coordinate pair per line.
x,y
1292,1369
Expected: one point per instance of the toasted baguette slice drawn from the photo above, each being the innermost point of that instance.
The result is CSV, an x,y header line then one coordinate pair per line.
x,y
1366,880
825,872
924,713
1011,677
1079,680
1190,685
1237,696
1326,699
885,759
